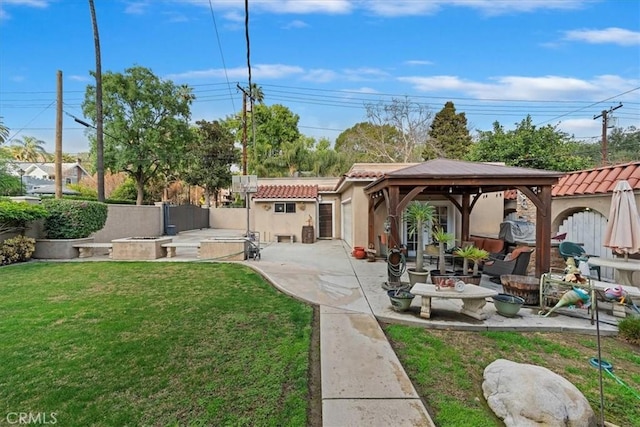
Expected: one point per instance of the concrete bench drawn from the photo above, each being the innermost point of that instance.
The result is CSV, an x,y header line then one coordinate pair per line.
x,y
86,249
473,299
171,247
291,237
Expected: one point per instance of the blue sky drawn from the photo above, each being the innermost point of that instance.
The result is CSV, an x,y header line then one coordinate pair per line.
x,y
561,61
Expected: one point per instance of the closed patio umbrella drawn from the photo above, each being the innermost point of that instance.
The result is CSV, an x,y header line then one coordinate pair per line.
x,y
622,234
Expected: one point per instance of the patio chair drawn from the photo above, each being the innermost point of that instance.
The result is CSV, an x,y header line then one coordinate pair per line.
x,y
515,262
577,252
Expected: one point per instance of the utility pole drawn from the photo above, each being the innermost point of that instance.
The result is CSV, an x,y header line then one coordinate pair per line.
x,y
58,154
605,118
244,129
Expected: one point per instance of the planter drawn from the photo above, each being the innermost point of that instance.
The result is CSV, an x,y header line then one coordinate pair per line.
x,y
359,253
436,276
507,305
357,249
58,248
139,248
417,276
525,287
469,279
400,299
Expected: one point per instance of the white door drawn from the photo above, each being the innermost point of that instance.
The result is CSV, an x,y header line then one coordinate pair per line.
x,y
347,234
588,228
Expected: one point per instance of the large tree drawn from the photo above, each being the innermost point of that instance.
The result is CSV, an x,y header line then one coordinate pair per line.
x,y
368,143
277,139
449,136
410,119
145,121
208,159
529,146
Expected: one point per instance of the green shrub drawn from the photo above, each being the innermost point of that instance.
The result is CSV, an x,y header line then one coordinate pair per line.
x,y
16,249
15,215
73,219
629,328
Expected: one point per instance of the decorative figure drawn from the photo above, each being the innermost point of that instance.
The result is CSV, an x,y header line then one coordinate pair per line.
x,y
310,221
617,293
575,297
572,273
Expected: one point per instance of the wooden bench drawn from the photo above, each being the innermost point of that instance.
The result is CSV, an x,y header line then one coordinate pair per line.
x,y
290,237
86,249
473,299
171,247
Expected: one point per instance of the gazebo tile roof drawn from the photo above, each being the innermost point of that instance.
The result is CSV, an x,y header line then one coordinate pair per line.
x,y
286,192
598,180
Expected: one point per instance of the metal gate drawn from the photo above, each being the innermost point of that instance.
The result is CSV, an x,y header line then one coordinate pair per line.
x,y
588,228
185,217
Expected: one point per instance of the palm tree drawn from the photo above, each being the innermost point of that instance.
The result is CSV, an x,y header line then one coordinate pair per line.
x,y
99,111
256,93
419,216
4,132
29,149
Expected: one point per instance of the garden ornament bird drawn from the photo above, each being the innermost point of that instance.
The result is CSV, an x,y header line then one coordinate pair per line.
x,y
575,297
617,293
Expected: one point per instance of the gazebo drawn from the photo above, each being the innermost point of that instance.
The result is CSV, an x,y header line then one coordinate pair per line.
x,y
462,183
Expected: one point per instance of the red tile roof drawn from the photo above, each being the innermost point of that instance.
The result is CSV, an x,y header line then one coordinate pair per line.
x,y
286,192
597,181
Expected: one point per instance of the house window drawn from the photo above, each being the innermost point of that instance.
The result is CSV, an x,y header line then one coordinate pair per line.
x,y
68,181
285,207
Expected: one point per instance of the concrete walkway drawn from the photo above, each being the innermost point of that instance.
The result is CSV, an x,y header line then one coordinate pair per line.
x,y
363,382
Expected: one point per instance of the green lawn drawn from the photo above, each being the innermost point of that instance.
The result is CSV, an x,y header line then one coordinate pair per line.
x,y
117,344
447,368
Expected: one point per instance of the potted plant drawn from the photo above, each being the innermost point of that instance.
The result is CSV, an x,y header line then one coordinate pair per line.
x,y
400,299
418,216
471,253
441,237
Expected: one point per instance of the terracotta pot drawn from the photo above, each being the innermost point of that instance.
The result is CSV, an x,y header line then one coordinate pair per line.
x,y
359,253
356,249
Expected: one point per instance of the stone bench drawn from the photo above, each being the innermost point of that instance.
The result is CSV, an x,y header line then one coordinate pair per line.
x,y
291,237
171,247
86,249
473,299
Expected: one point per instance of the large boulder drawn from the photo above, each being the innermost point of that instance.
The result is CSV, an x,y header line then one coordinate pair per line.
x,y
527,395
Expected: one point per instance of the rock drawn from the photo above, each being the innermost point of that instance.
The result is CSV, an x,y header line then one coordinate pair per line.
x,y
527,395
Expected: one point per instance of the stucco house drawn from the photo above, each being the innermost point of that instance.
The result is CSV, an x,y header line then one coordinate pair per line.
x,y
338,208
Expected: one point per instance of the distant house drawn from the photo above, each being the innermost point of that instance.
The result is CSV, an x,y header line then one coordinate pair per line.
x,y
35,174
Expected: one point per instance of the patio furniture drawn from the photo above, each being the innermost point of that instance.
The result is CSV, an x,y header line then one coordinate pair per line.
x,y
515,262
473,299
570,249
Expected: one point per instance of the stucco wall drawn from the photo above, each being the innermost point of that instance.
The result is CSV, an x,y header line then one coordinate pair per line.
x,y
562,207
131,221
269,223
231,218
487,215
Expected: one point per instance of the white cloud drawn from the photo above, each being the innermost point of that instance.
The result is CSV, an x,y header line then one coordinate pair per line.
x,y
282,6
611,35
137,7
418,62
320,75
258,72
365,74
82,79
4,4
295,24
526,88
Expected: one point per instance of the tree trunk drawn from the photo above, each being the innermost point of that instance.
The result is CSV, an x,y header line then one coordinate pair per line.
x,y
140,189
99,115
